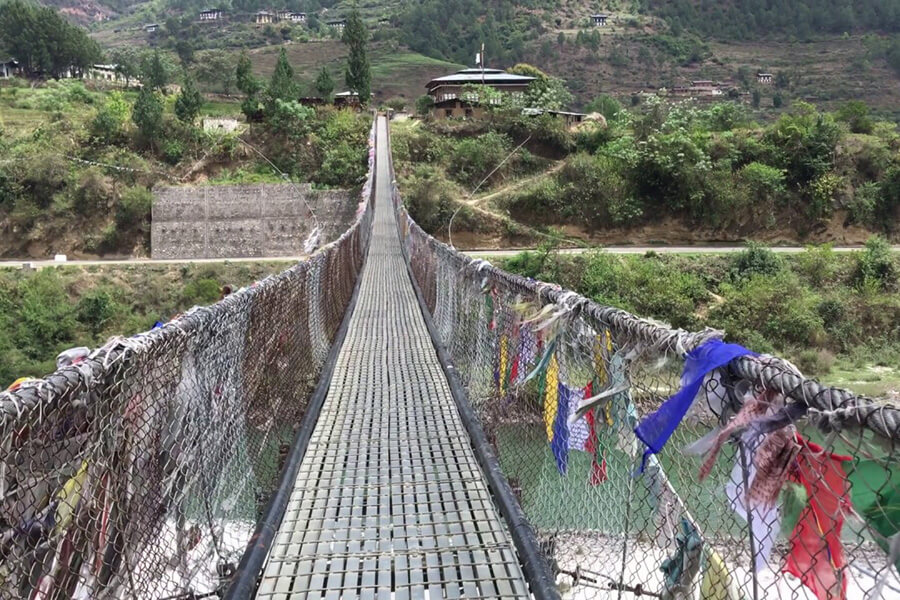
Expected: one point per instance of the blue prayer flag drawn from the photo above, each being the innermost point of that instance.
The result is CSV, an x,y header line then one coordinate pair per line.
x,y
656,429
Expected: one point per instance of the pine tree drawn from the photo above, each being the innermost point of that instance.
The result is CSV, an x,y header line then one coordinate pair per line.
x,y
248,84
147,114
189,101
282,85
243,76
153,72
357,76
324,84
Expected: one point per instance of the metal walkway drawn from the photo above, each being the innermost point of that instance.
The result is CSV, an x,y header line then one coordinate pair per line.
x,y
389,502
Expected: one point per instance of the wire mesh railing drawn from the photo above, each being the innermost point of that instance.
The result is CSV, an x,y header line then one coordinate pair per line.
x,y
140,471
658,462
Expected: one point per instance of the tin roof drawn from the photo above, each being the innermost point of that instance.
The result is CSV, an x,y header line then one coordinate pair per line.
x,y
487,76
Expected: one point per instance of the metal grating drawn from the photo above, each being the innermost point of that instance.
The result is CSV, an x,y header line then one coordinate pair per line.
x,y
389,502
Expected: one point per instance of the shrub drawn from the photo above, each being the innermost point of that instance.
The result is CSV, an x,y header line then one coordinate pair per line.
x,y
876,267
863,205
134,208
45,315
424,104
777,307
756,259
173,151
202,291
814,362
817,263
472,159
429,198
344,165
94,309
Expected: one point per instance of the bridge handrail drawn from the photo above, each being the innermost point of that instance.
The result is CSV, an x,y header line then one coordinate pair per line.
x,y
143,467
832,408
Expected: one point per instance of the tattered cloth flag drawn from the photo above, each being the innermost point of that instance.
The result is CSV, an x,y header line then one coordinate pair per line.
x,y
681,568
656,429
816,556
592,445
717,583
559,403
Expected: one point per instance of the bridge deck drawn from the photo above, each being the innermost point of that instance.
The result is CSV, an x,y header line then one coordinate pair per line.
x,y
389,502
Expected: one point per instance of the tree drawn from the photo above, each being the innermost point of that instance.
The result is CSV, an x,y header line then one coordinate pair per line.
x,y
561,38
782,81
185,51
189,101
43,42
147,114
282,85
127,64
324,84
549,94
606,105
107,125
856,114
424,104
357,76
757,97
153,72
216,68
250,85
244,78
777,100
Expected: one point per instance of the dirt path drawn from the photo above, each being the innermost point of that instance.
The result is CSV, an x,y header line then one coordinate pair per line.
x,y
515,185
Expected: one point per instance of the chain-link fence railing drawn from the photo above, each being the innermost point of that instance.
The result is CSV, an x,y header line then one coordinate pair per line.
x,y
665,463
140,471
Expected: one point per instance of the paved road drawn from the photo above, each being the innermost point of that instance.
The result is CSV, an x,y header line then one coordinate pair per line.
x,y
661,250
486,253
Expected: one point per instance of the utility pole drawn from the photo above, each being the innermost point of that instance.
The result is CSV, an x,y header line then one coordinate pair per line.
x,y
481,60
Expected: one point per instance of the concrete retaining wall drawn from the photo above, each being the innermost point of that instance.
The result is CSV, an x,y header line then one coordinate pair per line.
x,y
244,221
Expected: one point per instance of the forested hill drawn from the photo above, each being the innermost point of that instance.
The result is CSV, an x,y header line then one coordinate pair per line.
x,y
749,19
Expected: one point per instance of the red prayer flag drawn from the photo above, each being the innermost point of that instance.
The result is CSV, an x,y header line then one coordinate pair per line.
x,y
816,556
592,445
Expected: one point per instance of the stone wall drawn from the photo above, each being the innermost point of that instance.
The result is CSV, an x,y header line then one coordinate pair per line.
x,y
244,221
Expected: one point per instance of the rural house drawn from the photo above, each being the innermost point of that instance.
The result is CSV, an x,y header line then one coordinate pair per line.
x,y
297,17
263,16
211,14
599,20
151,27
447,91
338,24
764,78
8,68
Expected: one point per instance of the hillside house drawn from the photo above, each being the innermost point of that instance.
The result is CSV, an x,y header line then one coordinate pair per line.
x,y
346,100
109,73
151,27
447,91
764,78
263,16
283,15
570,118
297,17
9,68
338,24
211,14
701,88
599,20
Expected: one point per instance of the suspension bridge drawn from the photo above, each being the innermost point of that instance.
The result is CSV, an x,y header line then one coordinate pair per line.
x,y
391,419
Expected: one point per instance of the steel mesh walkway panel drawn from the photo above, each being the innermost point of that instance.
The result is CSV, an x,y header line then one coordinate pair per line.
x,y
389,501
